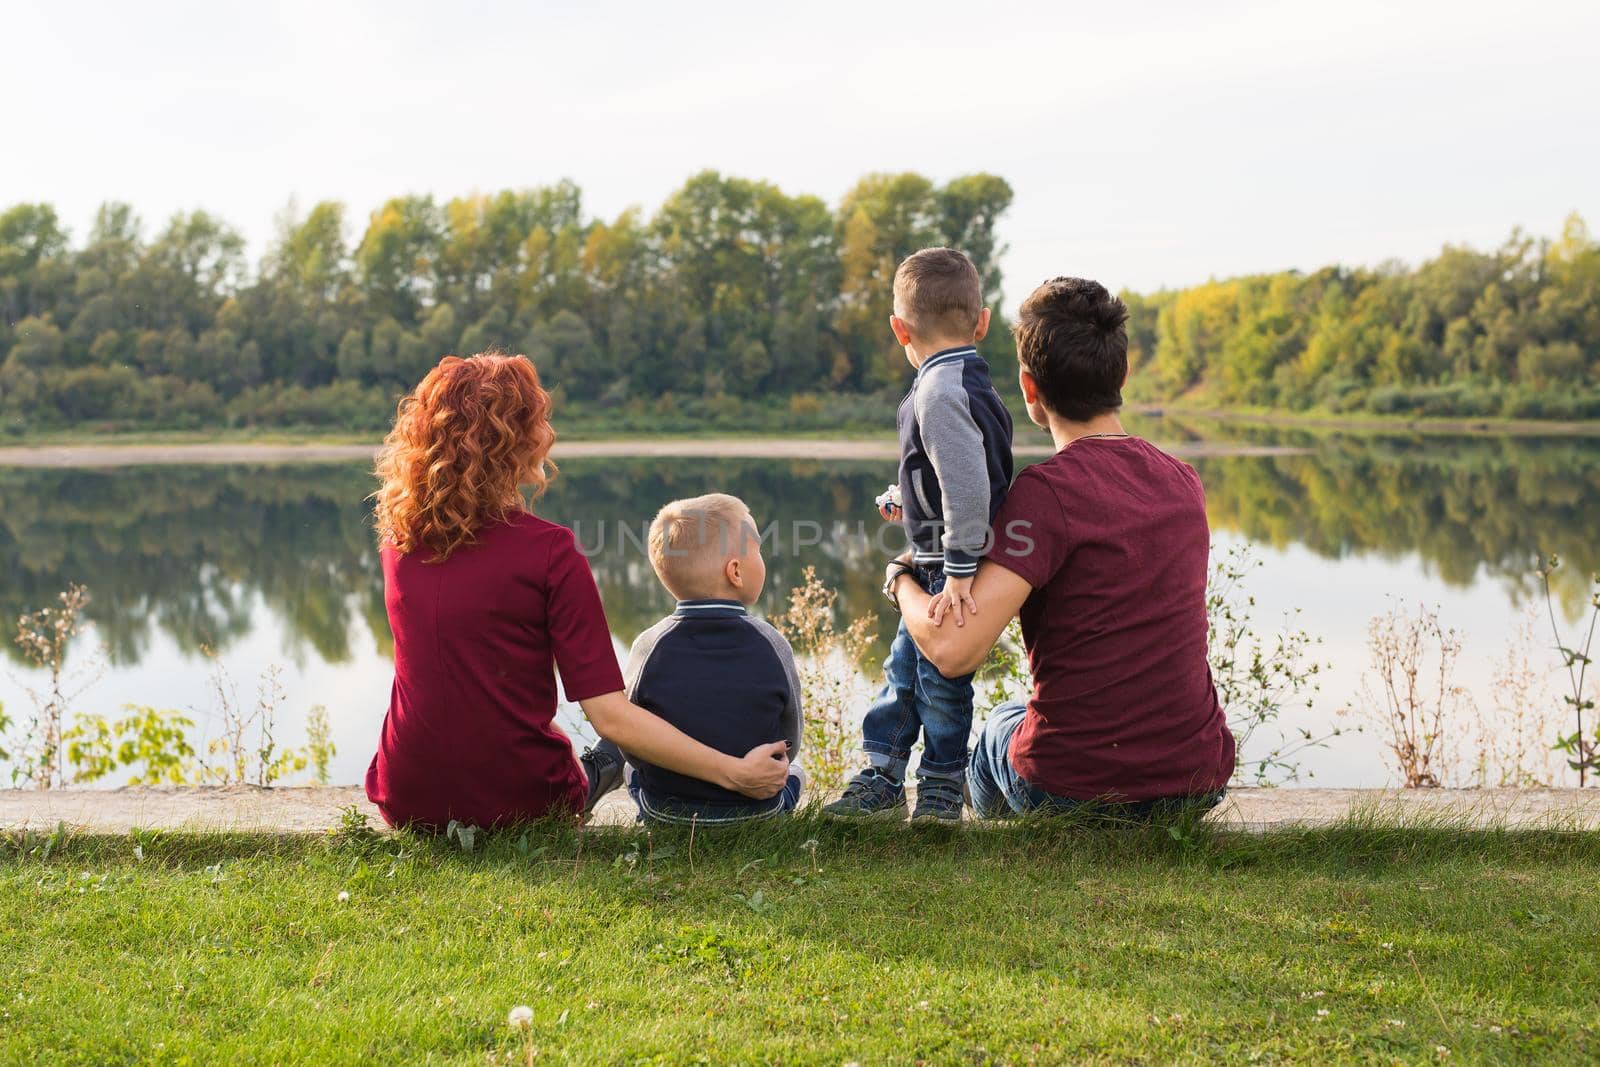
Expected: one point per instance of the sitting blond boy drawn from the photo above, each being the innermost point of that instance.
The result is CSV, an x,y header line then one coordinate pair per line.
x,y
713,670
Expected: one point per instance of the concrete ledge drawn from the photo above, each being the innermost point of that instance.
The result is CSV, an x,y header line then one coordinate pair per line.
x,y
312,809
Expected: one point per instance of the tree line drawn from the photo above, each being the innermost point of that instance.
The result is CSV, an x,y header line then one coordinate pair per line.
x,y
1514,332
735,304
732,294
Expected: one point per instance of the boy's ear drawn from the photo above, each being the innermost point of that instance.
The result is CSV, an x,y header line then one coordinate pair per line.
x,y
730,571
983,326
902,330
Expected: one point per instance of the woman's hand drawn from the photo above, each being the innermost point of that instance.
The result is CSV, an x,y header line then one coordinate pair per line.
x,y
762,772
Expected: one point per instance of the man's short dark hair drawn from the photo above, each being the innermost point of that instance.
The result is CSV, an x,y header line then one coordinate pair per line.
x,y
938,292
1072,337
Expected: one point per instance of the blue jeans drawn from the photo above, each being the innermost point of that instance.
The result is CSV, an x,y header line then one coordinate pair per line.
x,y
997,790
707,813
917,699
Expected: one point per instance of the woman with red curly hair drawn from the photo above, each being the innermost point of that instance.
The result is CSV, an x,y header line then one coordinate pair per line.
x,y
486,601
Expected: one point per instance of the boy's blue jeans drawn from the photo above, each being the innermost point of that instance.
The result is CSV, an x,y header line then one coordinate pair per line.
x,y
997,790
917,699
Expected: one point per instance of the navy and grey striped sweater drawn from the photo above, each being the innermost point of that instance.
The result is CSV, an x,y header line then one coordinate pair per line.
x,y
955,459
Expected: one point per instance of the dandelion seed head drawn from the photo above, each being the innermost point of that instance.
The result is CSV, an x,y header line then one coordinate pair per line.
x,y
344,897
520,1017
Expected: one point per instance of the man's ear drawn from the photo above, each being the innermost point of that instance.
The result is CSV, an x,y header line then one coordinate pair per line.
x,y
902,330
1030,388
983,326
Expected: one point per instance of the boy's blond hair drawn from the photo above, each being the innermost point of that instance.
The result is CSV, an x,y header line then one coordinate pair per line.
x,y
691,539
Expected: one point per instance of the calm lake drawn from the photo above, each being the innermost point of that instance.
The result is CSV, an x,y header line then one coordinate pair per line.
x,y
274,565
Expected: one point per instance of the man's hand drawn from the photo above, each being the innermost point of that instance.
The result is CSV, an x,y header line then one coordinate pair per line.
x,y
762,772
955,598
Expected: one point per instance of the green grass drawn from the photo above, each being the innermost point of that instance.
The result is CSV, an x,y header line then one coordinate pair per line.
x,y
1044,943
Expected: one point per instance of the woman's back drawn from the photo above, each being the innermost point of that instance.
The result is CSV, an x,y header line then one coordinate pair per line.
x,y
470,733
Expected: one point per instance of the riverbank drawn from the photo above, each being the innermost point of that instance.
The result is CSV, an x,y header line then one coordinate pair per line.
x,y
1373,424
315,809
801,941
826,449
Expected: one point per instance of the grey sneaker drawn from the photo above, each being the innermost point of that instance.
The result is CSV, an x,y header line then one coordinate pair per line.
x,y
870,795
938,800
603,764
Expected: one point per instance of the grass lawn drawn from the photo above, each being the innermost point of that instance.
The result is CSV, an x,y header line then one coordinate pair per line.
x,y
804,942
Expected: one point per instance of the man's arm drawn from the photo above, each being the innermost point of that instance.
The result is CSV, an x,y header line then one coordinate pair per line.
x,y
960,649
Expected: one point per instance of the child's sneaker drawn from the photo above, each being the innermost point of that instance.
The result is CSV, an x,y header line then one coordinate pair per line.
x,y
938,800
870,795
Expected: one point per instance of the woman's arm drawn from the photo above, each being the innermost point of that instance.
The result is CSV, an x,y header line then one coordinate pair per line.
x,y
960,649
759,774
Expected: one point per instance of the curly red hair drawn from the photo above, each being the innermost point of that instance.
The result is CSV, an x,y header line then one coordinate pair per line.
x,y
464,442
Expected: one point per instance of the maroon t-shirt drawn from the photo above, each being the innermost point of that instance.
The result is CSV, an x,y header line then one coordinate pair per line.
x,y
470,732
1112,535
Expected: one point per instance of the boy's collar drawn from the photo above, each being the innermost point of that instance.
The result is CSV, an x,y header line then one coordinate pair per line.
x,y
712,607
948,355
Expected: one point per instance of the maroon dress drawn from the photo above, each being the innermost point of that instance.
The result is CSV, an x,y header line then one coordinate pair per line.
x,y
470,733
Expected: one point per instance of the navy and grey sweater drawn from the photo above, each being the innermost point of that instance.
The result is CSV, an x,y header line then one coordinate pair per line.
x,y
728,680
955,460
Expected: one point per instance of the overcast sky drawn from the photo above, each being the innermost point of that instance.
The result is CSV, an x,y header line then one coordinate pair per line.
x,y
1148,144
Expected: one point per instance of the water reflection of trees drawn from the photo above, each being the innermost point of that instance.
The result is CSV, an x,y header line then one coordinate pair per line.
x,y
187,551
1461,504
786,498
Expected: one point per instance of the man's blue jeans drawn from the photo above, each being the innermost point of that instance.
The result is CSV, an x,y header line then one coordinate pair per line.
x,y
997,790
917,699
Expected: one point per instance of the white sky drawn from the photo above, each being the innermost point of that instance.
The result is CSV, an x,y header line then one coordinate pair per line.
x,y
1149,144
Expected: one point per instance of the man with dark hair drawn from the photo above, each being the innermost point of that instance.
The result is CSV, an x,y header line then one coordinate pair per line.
x,y
1072,337
1102,550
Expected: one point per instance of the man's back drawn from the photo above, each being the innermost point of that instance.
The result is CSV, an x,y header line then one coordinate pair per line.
x,y
1112,535
721,676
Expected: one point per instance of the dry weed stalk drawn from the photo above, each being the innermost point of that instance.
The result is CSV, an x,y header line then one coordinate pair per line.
x,y
1513,747
831,683
44,637
1415,698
